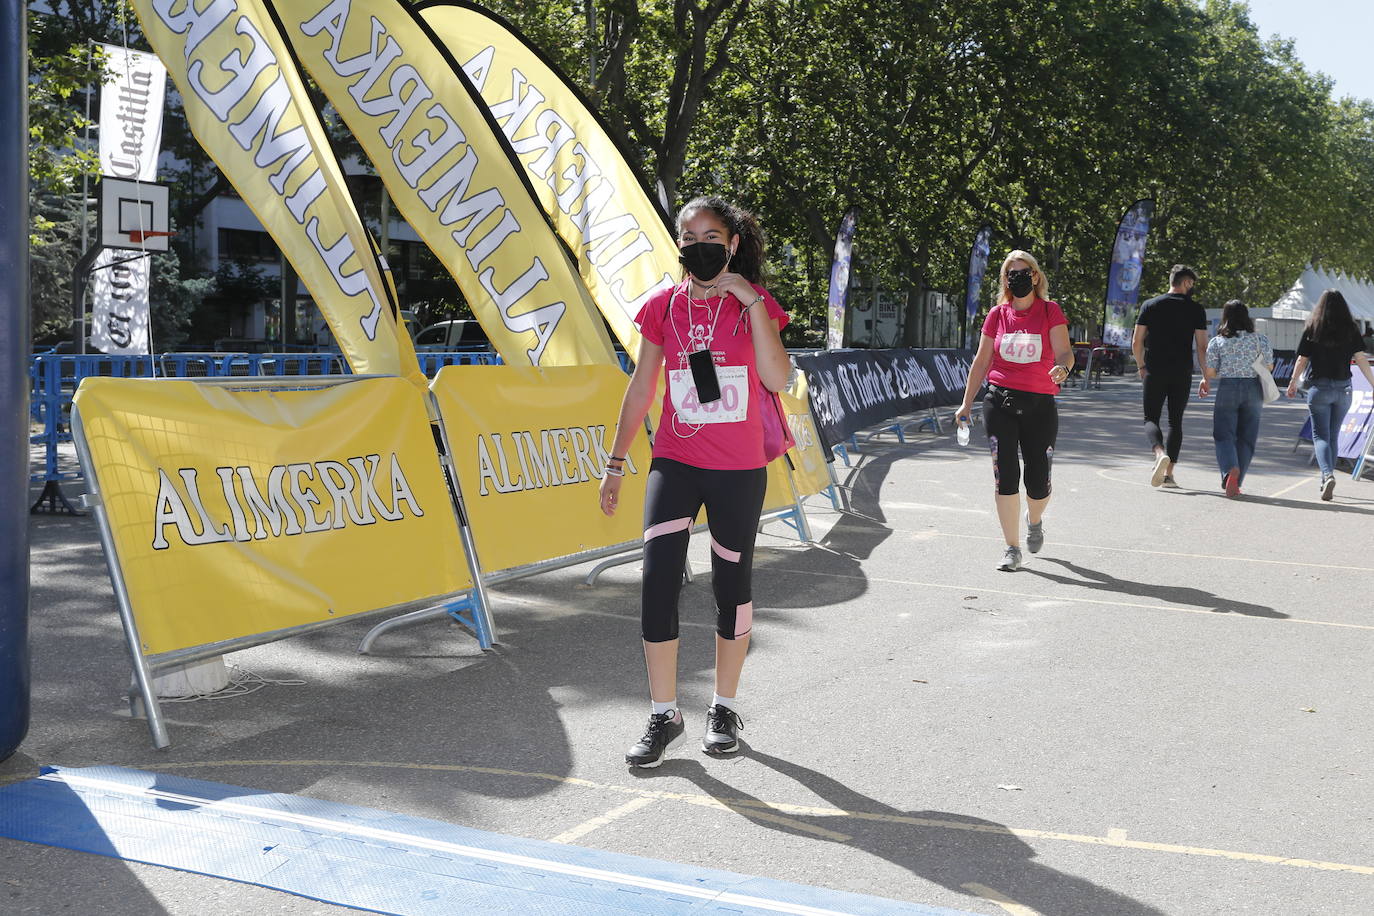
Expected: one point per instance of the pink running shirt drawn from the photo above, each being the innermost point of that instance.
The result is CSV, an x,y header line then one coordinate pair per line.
x,y
1022,354
730,438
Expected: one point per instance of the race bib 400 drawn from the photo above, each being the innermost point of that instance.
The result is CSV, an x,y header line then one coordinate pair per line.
x,y
731,407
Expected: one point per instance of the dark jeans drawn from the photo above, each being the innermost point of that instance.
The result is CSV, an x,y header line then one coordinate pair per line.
x,y
1236,422
1173,387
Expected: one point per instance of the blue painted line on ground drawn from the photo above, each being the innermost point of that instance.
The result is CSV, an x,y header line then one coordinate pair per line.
x,y
379,860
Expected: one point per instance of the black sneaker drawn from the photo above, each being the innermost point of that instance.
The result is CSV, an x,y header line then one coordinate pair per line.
x,y
665,730
722,730
1328,488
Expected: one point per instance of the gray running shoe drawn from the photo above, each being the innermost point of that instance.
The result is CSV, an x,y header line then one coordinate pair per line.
x,y
1011,560
1169,482
722,730
1035,535
1328,488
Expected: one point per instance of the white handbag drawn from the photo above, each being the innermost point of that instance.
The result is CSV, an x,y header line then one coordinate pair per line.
x,y
1271,390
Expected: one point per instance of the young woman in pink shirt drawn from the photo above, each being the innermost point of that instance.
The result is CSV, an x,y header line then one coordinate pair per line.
x,y
1024,354
717,334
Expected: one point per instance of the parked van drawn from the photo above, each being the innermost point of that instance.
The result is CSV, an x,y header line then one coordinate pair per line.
x,y
458,334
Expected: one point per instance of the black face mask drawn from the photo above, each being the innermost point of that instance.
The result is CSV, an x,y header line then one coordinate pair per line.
x,y
704,260
1020,284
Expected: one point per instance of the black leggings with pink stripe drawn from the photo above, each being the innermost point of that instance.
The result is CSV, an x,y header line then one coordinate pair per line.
x,y
675,492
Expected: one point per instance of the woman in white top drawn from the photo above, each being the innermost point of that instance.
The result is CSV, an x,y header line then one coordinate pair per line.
x,y
1231,359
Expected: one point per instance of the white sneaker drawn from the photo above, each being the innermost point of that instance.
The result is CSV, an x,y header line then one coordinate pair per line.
x,y
1161,470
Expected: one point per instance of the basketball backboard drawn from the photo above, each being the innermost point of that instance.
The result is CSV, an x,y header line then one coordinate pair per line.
x,y
133,214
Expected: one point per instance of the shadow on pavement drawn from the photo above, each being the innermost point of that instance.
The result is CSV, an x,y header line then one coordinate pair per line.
x,y
1176,594
1345,506
952,850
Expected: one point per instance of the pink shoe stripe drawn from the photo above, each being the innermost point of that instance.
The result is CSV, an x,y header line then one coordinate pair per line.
x,y
677,524
744,619
724,552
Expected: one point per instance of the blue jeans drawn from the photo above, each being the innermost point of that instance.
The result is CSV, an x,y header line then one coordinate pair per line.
x,y
1328,399
1236,422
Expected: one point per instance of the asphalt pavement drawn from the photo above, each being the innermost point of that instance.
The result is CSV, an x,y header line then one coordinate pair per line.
x,y
1167,711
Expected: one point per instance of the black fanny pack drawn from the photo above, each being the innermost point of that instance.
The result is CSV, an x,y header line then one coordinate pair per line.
x,y
1013,401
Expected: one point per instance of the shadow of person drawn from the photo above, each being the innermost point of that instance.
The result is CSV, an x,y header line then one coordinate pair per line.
x,y
1345,505
837,559
965,854
1176,594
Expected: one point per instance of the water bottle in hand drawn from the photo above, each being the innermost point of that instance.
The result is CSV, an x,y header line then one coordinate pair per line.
x,y
962,433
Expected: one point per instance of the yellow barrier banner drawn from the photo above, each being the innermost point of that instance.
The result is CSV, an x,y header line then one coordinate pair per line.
x,y
247,106
808,456
239,511
451,174
581,178
779,493
530,447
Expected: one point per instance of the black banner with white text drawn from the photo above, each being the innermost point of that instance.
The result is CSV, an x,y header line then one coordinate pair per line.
x,y
855,389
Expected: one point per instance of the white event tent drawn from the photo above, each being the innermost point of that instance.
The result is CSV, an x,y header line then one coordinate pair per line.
x,y
1299,301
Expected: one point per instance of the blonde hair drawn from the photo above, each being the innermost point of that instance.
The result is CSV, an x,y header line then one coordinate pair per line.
x,y
1042,286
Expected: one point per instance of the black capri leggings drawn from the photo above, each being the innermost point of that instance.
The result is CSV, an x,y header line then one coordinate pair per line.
x,y
1028,421
674,493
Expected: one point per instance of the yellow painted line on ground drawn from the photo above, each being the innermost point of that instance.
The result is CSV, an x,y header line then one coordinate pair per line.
x,y
750,811
756,806
973,589
1116,835
1306,478
1002,900
615,814
1157,553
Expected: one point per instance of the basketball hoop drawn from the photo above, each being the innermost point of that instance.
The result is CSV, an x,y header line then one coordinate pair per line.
x,y
138,235
134,215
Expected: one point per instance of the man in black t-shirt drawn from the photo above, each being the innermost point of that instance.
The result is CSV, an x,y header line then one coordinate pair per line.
x,y
1169,329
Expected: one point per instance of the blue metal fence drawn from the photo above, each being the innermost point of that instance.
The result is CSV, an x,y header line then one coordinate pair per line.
x,y
54,379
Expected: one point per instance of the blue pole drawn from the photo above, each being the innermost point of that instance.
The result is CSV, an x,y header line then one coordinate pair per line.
x,y
14,380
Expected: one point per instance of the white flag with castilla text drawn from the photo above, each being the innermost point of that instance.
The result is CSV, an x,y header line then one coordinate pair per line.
x,y
131,105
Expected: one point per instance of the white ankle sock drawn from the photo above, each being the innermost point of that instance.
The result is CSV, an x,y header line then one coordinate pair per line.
x,y
727,702
661,708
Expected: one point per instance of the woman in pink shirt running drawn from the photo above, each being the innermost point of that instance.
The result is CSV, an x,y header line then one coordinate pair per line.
x,y
716,333
1024,354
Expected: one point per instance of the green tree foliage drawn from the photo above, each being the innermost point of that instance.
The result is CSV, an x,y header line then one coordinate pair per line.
x,y
939,115
934,116
59,71
65,62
